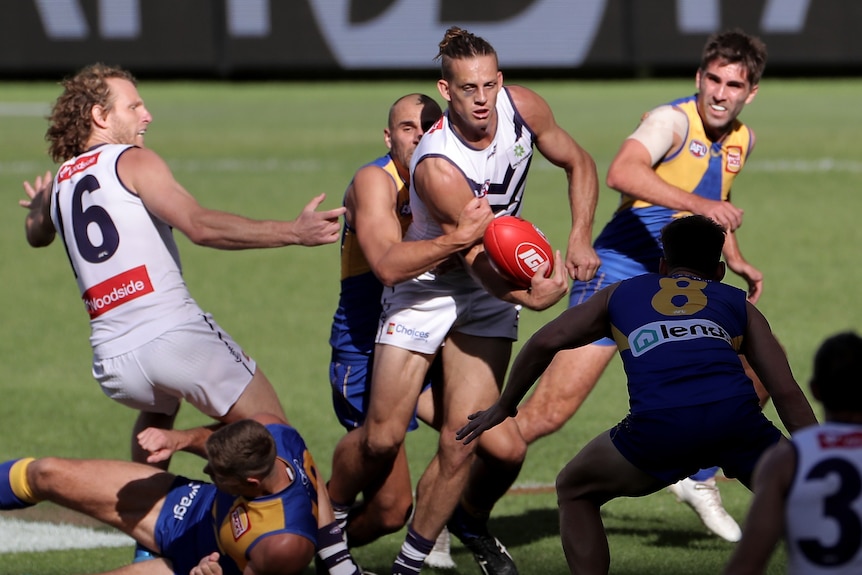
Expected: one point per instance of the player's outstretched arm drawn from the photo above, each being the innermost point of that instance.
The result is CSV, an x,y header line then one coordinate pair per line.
x,y
146,174
561,149
38,226
161,444
769,361
574,327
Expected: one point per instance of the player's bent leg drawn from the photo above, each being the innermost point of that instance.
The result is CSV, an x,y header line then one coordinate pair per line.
x,y
365,455
597,474
500,455
259,396
124,495
503,450
385,507
562,389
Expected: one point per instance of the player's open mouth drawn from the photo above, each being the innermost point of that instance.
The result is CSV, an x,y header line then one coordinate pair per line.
x,y
718,108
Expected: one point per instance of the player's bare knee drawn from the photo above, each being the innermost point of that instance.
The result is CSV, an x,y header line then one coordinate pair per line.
x,y
44,474
381,446
506,449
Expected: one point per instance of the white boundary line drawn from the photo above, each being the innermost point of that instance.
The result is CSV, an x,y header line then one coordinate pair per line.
x,y
21,536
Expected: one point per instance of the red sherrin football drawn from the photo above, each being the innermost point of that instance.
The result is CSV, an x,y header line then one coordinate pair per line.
x,y
515,248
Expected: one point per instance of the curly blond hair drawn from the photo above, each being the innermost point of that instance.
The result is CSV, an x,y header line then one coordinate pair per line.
x,y
71,124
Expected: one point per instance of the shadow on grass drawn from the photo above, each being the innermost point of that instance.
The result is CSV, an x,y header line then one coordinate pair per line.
x,y
537,524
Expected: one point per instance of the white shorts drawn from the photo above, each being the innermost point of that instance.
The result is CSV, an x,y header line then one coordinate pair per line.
x,y
196,361
418,314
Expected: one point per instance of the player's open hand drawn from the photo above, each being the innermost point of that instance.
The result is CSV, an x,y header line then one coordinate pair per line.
x,y
480,422
207,566
37,192
313,228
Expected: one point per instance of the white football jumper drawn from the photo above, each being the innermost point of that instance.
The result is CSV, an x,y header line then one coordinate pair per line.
x,y
824,504
419,313
125,260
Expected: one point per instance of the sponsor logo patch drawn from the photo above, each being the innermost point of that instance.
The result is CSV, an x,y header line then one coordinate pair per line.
x,y
181,508
833,440
401,329
698,149
657,333
116,291
81,164
239,522
734,159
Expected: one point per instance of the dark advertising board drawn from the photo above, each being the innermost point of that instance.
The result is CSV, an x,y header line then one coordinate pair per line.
x,y
330,37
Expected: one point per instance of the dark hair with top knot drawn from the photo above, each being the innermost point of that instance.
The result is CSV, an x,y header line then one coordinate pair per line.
x,y
457,44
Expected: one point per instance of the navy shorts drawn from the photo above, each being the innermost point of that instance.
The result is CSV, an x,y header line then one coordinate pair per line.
x,y
671,444
350,378
184,530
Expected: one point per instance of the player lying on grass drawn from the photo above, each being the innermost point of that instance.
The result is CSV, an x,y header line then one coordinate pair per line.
x,y
679,333
258,516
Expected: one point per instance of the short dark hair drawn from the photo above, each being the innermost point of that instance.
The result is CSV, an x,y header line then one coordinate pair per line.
x,y
838,372
241,449
693,242
735,46
457,44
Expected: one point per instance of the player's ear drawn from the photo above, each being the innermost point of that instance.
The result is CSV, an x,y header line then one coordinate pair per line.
x,y
99,115
443,88
752,94
720,271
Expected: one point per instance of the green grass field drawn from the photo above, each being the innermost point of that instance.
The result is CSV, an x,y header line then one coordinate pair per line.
x,y
264,149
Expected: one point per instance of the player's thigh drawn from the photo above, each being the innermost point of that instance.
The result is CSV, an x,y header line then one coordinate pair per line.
x,y
397,379
572,374
600,472
258,397
473,371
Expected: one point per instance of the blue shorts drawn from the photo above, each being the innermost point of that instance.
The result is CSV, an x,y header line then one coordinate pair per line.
x,y
350,378
671,444
184,530
615,267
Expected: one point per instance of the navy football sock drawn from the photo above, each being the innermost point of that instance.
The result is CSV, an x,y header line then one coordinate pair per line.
x,y
412,555
332,549
464,525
